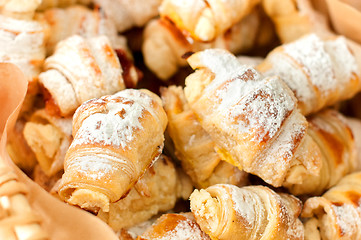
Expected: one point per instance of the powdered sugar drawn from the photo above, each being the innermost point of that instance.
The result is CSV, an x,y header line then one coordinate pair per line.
x,y
309,52
245,203
93,166
348,218
344,63
186,229
115,127
257,110
292,75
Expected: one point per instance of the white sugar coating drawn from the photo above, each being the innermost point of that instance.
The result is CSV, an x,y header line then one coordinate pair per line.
x,y
260,113
245,204
186,229
310,53
224,65
116,127
94,167
290,73
348,218
344,63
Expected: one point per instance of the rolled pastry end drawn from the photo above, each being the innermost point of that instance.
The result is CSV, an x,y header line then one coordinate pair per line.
x,y
89,200
204,207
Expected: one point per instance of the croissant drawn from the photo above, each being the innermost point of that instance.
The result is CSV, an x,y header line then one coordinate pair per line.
x,y
18,220
175,226
295,18
164,44
116,139
320,73
49,138
155,192
80,69
254,121
335,137
80,20
336,214
129,13
19,9
205,20
193,146
256,212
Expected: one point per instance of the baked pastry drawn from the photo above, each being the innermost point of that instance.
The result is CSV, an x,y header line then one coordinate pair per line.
x,y
116,139
164,44
295,18
82,21
80,69
193,145
256,212
253,120
18,220
27,51
205,20
155,192
19,9
18,149
175,226
335,137
129,13
49,138
319,72
336,214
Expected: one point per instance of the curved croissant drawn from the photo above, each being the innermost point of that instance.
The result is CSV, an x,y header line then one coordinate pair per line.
x,y
337,214
155,192
295,18
206,20
18,219
319,72
193,146
174,226
254,121
49,138
335,137
116,139
82,21
255,212
129,13
164,44
80,69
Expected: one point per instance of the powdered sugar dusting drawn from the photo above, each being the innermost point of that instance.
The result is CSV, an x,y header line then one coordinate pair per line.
x,y
343,60
258,110
93,166
348,218
223,64
295,78
115,127
310,53
186,229
244,204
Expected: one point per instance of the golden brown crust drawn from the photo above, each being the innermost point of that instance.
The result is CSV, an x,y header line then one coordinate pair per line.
x,y
255,212
336,214
116,139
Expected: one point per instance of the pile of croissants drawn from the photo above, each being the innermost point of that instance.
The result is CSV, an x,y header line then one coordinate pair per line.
x,y
192,119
